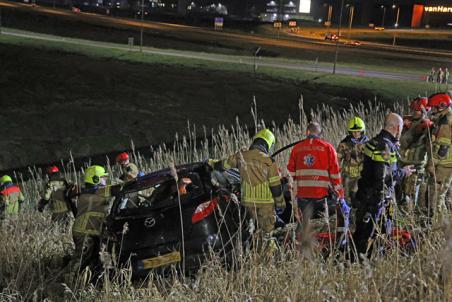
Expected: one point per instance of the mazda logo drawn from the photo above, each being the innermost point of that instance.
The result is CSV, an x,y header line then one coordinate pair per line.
x,y
149,222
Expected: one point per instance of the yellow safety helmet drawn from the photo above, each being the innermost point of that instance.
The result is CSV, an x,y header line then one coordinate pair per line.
x,y
5,179
356,125
93,174
267,136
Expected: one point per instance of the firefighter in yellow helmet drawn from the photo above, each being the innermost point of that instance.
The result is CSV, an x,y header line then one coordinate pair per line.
x,y
92,208
261,187
11,197
350,156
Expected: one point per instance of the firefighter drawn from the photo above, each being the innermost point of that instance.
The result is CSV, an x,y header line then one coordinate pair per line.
x,y
261,187
11,197
314,166
129,170
380,173
350,156
413,151
55,196
440,159
86,231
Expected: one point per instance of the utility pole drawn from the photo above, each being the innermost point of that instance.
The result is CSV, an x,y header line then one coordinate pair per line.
x,y
338,35
0,20
141,29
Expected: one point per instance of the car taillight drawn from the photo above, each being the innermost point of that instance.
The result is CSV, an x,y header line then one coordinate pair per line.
x,y
204,210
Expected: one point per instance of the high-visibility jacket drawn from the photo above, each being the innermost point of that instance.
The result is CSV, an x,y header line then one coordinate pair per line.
x,y
10,198
441,139
258,173
92,208
350,155
381,171
313,165
54,193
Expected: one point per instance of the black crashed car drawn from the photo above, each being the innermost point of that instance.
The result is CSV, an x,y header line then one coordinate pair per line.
x,y
158,222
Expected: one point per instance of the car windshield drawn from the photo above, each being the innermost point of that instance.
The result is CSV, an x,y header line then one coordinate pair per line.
x,y
163,194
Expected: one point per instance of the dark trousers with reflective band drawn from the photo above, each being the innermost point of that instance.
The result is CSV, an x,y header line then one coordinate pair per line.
x,y
368,224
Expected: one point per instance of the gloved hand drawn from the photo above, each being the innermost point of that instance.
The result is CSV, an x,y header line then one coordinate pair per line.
x,y
425,124
408,170
280,202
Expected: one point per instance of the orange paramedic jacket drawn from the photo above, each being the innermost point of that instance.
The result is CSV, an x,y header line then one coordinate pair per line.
x,y
313,165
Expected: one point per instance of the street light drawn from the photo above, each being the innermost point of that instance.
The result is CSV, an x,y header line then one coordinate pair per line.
x,y
396,24
397,16
351,12
338,35
383,18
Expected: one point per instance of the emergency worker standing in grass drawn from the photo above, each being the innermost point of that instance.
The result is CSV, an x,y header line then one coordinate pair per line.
x,y
129,170
92,208
380,173
440,154
11,197
55,196
315,169
350,156
413,151
261,188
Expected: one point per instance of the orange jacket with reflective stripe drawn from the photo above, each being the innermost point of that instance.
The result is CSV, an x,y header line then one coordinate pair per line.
x,y
314,166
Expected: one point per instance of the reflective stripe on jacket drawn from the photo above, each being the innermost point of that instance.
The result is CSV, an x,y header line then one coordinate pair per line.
x,y
442,134
258,172
91,210
313,164
11,196
54,193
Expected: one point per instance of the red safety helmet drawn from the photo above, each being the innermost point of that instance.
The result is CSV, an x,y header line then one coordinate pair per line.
x,y
122,157
439,100
419,104
52,170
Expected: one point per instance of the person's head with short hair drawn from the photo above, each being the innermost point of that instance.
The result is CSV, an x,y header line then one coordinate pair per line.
x,y
394,124
313,128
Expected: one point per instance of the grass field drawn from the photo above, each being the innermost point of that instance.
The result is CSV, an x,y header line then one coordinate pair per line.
x,y
99,99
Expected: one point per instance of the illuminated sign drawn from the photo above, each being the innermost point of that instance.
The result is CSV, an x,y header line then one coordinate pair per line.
x,y
438,9
305,6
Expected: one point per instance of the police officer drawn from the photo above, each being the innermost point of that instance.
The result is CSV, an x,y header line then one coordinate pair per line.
x,y
55,196
440,159
261,187
314,166
350,156
92,206
380,173
129,170
11,197
413,151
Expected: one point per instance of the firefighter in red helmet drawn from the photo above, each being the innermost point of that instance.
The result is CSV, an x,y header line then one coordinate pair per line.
x,y
413,151
129,170
440,158
55,196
